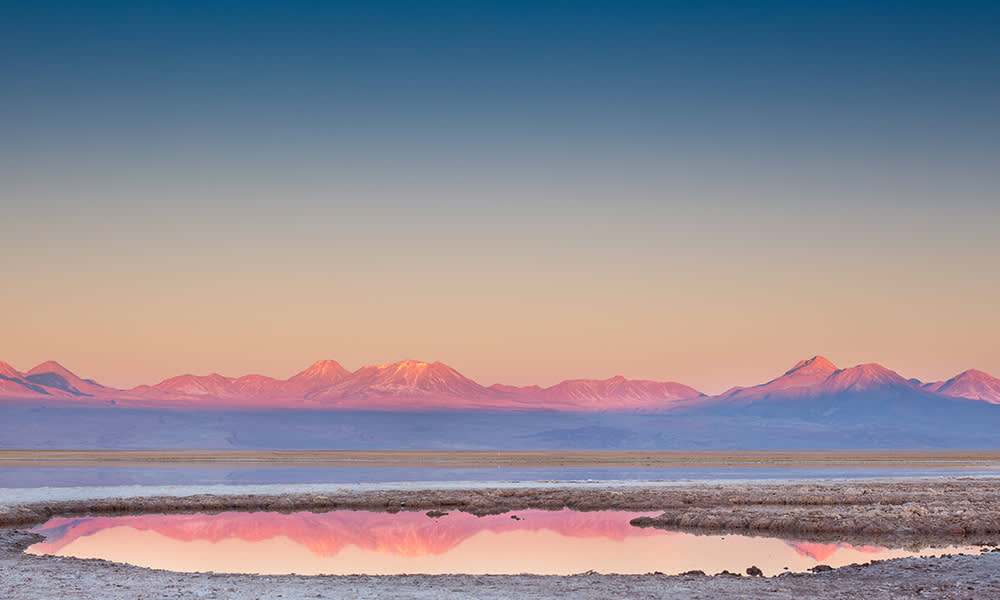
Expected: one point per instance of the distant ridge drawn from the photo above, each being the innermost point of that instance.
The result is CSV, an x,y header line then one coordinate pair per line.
x,y
408,385
972,384
412,385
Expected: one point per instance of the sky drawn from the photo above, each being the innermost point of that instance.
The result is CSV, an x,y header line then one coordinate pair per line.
x,y
703,192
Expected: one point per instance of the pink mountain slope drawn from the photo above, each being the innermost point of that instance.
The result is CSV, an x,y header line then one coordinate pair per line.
x,y
972,384
14,385
817,377
53,375
406,384
415,385
321,374
420,385
257,390
863,378
214,385
18,389
616,393
801,381
259,386
207,391
527,390
8,371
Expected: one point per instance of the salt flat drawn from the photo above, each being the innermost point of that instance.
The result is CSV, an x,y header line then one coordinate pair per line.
x,y
938,510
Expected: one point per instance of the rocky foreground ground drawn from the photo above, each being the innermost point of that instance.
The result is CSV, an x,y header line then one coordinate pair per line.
x,y
895,514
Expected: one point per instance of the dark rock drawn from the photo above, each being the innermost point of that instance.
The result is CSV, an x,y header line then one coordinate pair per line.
x,y
821,568
753,571
694,573
434,514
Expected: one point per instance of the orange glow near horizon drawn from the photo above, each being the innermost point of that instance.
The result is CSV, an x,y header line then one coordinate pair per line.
x,y
538,313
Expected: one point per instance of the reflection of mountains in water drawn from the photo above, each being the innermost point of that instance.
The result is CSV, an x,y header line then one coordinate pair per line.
x,y
326,534
559,541
821,552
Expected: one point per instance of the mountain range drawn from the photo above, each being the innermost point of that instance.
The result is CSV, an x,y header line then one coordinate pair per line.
x,y
426,406
415,386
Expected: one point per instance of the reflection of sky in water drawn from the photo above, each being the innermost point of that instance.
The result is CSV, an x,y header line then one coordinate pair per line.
x,y
341,542
207,475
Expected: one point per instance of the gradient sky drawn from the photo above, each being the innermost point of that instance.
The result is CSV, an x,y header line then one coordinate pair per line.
x,y
704,192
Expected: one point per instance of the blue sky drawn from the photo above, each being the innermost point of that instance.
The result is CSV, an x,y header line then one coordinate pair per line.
x,y
743,159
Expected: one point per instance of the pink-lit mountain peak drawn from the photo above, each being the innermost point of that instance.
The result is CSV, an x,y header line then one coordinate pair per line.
x,y
417,368
817,377
51,366
801,381
973,384
258,385
414,376
8,371
620,388
865,377
409,385
53,374
974,375
418,385
199,385
817,366
321,371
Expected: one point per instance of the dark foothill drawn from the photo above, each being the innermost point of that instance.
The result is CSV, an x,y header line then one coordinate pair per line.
x,y
694,573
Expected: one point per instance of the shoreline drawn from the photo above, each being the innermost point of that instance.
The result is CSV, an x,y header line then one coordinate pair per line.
x,y
899,513
896,511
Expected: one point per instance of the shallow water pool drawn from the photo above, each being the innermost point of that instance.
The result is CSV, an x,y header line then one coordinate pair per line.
x,y
377,543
